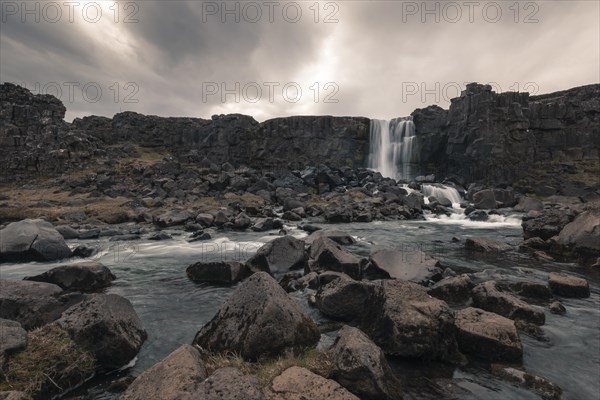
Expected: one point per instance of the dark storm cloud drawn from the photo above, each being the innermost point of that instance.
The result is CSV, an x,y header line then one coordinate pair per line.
x,y
379,59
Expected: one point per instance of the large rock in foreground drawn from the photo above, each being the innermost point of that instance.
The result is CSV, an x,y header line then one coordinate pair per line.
x,y
327,255
360,366
405,264
232,384
405,321
546,223
488,297
346,299
568,285
32,240
279,256
488,336
85,276
108,326
258,319
298,383
580,239
180,374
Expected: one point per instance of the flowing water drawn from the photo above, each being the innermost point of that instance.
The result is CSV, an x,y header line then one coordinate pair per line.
x,y
152,276
392,148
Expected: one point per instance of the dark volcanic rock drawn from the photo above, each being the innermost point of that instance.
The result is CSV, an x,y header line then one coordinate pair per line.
x,y
258,319
568,285
108,326
280,255
225,272
326,255
546,223
297,383
230,383
486,245
580,239
339,237
360,366
12,338
488,297
85,276
346,299
405,264
453,289
32,240
485,199
488,336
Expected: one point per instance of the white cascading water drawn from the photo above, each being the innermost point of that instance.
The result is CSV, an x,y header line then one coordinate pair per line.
x,y
392,147
439,191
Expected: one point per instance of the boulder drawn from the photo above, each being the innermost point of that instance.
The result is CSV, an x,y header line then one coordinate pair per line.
x,y
405,321
108,326
527,204
327,255
205,219
180,374
86,276
453,289
160,236
557,308
266,224
32,304
230,383
360,366
258,319
568,285
580,239
487,336
346,299
546,223
541,386
488,297
12,338
478,215
242,221
532,290
32,240
339,237
486,245
280,255
67,232
224,272
404,263
172,218
485,199
297,383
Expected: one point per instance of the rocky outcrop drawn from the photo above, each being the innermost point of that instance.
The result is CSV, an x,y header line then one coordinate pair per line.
x,y
327,255
86,276
297,383
489,297
279,256
579,239
453,289
258,319
32,240
566,285
404,263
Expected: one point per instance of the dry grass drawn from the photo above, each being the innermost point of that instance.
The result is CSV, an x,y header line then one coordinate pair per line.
x,y
49,365
314,360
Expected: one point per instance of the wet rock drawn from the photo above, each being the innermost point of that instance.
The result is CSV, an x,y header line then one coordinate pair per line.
x,y
346,299
224,272
291,216
12,338
173,218
532,290
126,237
221,218
199,236
557,308
527,204
180,374
32,304
86,276
360,366
205,219
486,245
258,319
405,321
339,237
568,285
406,264
231,383
546,223
532,244
108,326
311,229
242,221
89,234
488,336
32,240
160,236
488,297
479,215
298,383
543,387
485,199
453,289
327,255
280,255
67,232
266,224
83,251
580,239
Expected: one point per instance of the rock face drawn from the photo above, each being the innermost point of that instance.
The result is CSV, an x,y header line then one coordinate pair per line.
x,y
108,326
488,336
326,255
32,304
85,276
405,321
298,383
405,264
279,256
568,285
360,366
546,223
179,374
488,297
32,240
258,319
224,272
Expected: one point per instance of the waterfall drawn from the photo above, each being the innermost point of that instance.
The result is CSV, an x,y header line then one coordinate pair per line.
x,y
392,147
438,191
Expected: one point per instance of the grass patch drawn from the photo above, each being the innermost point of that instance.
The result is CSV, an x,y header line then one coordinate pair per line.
x,y
51,364
316,361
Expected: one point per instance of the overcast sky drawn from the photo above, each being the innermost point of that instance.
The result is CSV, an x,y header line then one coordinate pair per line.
x,y
378,59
